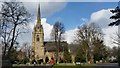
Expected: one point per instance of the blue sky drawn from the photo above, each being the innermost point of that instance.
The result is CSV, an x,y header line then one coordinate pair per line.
x,y
72,14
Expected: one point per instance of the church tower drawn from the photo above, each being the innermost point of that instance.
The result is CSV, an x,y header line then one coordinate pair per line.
x,y
38,39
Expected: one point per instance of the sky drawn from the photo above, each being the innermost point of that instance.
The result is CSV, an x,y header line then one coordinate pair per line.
x,y
72,14
75,13
62,0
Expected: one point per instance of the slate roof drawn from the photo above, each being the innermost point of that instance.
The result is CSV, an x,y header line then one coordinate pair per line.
x,y
51,47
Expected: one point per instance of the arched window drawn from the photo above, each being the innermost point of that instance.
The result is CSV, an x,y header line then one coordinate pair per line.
x,y
37,38
38,27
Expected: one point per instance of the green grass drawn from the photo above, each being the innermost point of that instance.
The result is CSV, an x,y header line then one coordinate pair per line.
x,y
64,65
61,66
73,66
89,65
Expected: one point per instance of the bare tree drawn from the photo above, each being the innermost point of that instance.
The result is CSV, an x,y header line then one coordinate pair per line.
x,y
57,34
86,36
14,18
116,39
27,49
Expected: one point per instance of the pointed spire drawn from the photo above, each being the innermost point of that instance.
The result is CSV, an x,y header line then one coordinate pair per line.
x,y
38,16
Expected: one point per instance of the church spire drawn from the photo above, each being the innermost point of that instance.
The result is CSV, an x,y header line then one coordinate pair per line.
x,y
38,16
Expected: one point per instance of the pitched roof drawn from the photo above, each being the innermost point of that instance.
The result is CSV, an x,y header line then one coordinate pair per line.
x,y
51,47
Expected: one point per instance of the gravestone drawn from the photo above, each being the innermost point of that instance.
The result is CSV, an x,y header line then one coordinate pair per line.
x,y
6,63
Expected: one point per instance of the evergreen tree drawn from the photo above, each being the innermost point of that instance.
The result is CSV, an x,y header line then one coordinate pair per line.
x,y
67,56
118,57
80,56
99,50
13,55
115,17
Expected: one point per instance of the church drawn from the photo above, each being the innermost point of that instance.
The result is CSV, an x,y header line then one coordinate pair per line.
x,y
42,49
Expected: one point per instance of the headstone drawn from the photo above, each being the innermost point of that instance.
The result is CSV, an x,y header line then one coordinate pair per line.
x,y
6,63
96,61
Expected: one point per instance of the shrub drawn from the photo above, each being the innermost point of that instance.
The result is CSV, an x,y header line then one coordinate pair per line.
x,y
80,56
118,57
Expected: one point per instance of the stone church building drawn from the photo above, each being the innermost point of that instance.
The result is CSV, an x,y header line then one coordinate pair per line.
x,y
42,49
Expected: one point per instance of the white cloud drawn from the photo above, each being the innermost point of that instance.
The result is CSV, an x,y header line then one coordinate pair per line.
x,y
43,0
28,36
70,35
102,19
84,19
33,0
47,29
47,8
63,0
110,35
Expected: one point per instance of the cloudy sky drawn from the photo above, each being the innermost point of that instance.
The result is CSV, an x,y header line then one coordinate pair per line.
x,y
72,15
63,0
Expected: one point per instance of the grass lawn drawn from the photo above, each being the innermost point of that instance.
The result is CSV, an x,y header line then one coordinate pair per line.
x,y
89,65
73,66
66,66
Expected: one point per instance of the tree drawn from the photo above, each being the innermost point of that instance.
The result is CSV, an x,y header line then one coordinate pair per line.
x,y
14,18
80,56
67,56
116,38
13,55
81,38
57,34
116,17
27,49
57,31
100,51
118,56
24,53
114,51
86,36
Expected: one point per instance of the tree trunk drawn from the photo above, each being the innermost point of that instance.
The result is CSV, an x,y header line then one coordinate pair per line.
x,y
4,53
86,56
59,40
12,42
91,58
